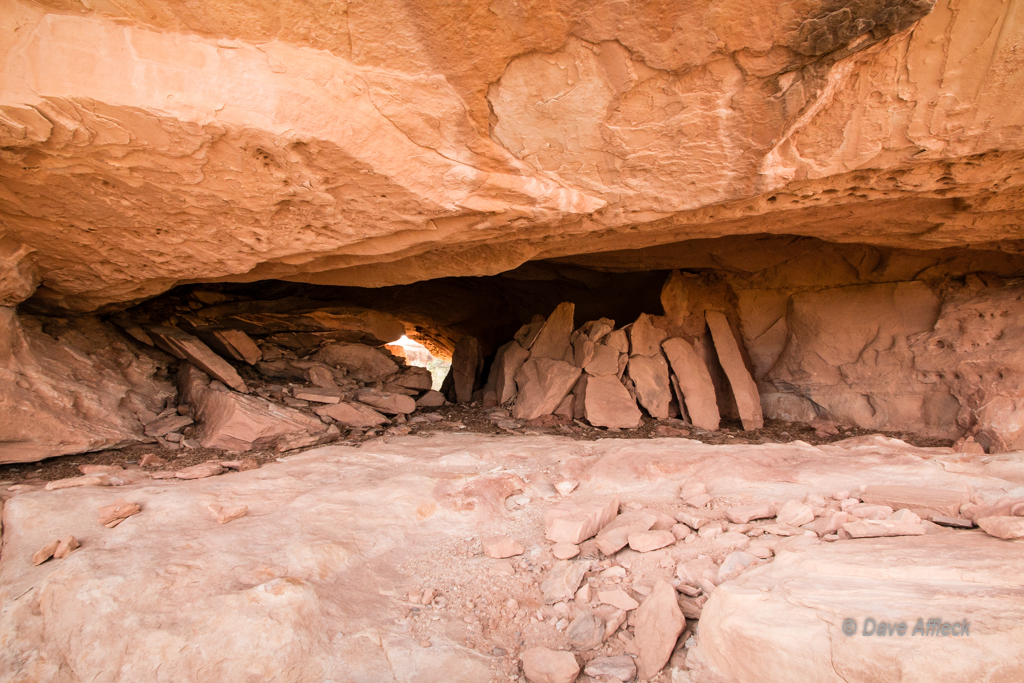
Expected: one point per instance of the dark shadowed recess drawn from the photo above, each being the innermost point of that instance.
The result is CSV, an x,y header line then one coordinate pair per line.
x,y
615,284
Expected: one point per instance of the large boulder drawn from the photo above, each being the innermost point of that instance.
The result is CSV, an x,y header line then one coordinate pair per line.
x,y
72,386
820,614
235,422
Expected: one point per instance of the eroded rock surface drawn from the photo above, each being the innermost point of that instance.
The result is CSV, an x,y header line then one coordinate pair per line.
x,y
469,156
373,540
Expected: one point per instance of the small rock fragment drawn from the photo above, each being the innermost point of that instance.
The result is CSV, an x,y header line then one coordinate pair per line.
x,y
200,471
615,535
620,668
226,514
44,553
118,511
576,522
734,564
562,581
99,469
319,395
646,541
618,598
65,547
566,486
73,482
565,551
586,631
543,665
747,513
152,460
794,514
501,547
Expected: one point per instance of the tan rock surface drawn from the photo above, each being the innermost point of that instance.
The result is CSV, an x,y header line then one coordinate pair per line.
x,y
425,189
959,576
324,526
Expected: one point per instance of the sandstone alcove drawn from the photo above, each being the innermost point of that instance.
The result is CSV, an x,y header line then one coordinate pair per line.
x,y
515,341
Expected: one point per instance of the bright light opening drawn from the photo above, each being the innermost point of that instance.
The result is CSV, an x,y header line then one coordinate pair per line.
x,y
418,355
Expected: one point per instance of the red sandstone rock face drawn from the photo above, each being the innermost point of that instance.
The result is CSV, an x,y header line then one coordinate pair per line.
x,y
479,136
72,386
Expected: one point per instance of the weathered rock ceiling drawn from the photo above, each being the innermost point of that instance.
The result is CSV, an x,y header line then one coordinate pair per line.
x,y
144,145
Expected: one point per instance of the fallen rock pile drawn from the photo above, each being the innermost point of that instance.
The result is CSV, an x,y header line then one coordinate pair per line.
x,y
290,401
607,375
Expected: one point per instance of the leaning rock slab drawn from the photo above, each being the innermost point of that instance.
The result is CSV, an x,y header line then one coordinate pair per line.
x,y
787,617
748,401
694,382
653,391
659,621
186,347
553,340
543,383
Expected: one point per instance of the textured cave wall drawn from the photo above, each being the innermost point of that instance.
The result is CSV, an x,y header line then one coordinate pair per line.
x,y
145,145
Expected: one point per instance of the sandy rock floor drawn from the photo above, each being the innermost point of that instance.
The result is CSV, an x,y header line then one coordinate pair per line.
x,y
324,578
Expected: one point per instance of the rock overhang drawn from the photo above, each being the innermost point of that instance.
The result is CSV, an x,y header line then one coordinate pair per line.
x,y
355,157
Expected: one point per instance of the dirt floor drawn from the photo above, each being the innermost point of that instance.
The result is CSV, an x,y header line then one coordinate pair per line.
x,y
466,418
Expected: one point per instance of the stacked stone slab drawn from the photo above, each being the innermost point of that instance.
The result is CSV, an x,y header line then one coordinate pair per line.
x,y
606,375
